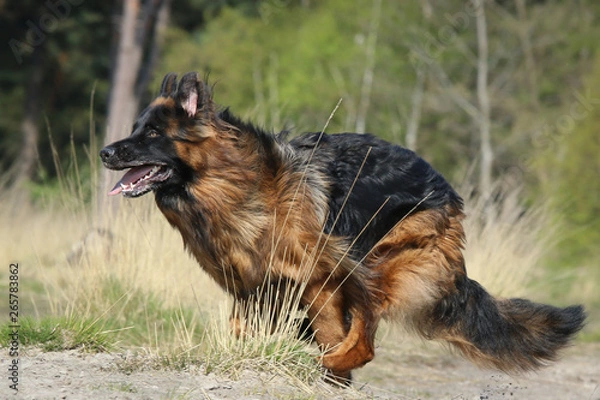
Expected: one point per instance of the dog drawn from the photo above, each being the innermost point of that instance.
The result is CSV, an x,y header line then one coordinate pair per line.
x,y
367,229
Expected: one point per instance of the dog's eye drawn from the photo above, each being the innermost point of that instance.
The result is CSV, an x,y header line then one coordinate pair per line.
x,y
152,133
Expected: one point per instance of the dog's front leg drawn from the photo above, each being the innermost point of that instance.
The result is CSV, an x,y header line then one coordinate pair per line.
x,y
238,320
259,313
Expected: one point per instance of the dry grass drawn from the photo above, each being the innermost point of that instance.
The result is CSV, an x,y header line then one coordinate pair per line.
x,y
156,298
267,345
142,252
137,278
506,243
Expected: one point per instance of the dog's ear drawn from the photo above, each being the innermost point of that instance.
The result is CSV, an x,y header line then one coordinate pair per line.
x,y
169,85
194,96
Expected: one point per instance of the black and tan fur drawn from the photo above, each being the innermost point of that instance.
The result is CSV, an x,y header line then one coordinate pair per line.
x,y
369,227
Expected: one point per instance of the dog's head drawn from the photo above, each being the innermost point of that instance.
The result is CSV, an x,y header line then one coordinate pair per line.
x,y
181,117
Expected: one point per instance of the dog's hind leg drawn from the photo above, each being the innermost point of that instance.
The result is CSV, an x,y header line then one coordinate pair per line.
x,y
356,349
347,336
417,264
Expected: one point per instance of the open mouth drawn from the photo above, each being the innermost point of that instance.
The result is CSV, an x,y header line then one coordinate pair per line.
x,y
140,180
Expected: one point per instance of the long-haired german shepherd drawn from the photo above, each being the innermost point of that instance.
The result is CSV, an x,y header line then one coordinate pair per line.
x,y
380,227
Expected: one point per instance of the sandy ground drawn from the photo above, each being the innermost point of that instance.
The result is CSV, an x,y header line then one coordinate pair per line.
x,y
396,373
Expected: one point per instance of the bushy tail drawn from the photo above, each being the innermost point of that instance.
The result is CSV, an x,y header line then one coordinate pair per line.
x,y
510,335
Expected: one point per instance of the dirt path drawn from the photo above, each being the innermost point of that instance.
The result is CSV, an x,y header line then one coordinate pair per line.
x,y
395,374
437,374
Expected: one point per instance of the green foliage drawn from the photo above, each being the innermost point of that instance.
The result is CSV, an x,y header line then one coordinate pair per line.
x,y
575,186
290,64
68,52
286,63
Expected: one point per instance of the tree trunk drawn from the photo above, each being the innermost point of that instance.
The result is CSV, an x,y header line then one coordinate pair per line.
x,y
24,167
139,24
412,129
155,26
486,153
122,102
272,84
368,75
523,31
121,108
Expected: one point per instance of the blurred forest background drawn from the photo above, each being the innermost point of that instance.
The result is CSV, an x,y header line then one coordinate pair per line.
x,y
488,91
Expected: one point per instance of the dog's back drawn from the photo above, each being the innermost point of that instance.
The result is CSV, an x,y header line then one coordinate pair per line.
x,y
372,185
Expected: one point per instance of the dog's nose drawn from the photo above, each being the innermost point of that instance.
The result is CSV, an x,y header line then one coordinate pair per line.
x,y
106,153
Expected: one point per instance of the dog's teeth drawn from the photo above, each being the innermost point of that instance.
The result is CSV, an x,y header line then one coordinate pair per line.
x,y
151,172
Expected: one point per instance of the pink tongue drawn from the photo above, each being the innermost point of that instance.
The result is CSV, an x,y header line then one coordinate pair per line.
x,y
131,176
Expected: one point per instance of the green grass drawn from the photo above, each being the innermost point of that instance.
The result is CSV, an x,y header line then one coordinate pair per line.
x,y
142,319
60,333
